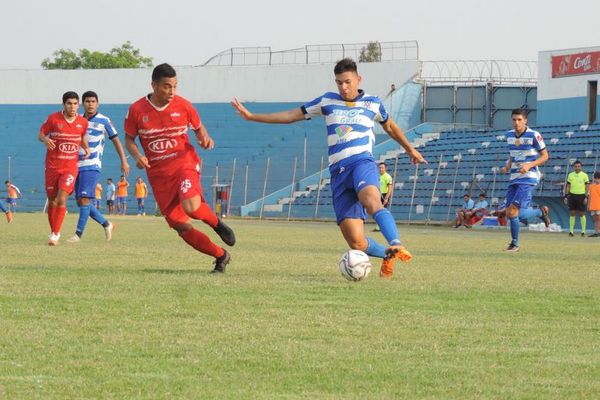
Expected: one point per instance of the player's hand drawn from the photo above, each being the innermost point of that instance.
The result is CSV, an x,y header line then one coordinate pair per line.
x,y
142,162
416,157
525,167
241,110
504,169
125,169
205,142
86,153
50,144
566,200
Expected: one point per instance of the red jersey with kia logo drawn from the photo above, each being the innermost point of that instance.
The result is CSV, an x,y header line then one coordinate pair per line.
x,y
67,137
163,133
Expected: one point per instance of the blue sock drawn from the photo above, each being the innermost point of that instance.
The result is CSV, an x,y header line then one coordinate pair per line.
x,y
2,207
388,227
84,214
375,249
514,230
528,213
97,216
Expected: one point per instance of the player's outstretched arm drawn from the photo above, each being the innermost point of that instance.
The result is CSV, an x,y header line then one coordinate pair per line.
x,y
140,161
396,133
282,117
119,148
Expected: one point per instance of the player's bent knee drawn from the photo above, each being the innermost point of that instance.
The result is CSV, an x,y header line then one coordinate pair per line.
x,y
182,228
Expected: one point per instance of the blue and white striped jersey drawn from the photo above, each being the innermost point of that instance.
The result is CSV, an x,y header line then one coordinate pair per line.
x,y
99,126
350,135
524,149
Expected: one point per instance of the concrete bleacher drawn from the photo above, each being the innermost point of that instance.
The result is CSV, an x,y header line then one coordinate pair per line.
x,y
467,161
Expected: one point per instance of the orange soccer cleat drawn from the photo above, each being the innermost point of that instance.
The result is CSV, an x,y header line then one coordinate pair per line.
x,y
393,253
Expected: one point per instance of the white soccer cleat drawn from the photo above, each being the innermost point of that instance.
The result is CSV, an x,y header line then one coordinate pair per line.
x,y
53,239
108,231
74,239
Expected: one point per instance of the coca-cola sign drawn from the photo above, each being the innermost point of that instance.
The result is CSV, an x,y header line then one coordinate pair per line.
x,y
576,64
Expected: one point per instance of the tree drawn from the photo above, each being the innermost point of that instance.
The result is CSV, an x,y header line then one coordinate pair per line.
x,y
370,53
125,56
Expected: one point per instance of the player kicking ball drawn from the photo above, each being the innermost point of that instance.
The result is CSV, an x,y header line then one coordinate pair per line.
x,y
350,116
161,121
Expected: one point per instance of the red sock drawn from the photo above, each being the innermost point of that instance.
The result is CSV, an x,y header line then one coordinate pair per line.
x,y
50,212
202,243
59,217
205,214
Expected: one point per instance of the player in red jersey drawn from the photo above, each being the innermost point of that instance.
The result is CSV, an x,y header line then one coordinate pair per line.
x,y
161,121
62,134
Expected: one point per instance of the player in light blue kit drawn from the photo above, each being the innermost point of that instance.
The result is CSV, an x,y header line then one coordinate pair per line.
x,y
527,152
99,127
350,116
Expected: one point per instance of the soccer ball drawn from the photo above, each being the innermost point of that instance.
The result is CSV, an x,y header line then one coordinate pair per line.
x,y
355,265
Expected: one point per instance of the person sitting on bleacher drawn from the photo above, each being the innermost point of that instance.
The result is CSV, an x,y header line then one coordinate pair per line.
x,y
480,210
461,213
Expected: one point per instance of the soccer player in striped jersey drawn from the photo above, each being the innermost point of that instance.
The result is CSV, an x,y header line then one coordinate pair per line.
x,y
63,134
99,126
527,152
161,121
350,116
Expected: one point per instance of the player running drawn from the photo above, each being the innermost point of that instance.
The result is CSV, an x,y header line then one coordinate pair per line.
x,y
86,186
161,121
527,152
63,134
350,116
6,212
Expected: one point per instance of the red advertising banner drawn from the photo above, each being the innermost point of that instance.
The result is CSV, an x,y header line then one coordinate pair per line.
x,y
576,64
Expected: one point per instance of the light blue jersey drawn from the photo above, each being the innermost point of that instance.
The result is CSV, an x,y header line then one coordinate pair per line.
x,y
99,126
523,149
350,135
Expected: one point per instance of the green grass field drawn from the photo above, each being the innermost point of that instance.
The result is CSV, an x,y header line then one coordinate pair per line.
x,y
141,317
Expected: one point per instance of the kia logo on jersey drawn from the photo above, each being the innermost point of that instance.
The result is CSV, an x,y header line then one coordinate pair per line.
x,y
68,147
162,145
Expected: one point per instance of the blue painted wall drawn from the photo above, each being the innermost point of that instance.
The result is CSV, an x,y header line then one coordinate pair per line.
x,y
562,111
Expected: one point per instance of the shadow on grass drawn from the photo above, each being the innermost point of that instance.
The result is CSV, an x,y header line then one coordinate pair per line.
x,y
179,271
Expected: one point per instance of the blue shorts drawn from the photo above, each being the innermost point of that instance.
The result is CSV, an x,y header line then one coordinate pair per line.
x,y
121,200
110,203
519,195
85,185
140,200
345,186
11,200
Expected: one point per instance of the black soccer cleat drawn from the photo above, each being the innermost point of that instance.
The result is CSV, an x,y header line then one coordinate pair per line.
x,y
545,215
512,248
221,263
571,234
225,233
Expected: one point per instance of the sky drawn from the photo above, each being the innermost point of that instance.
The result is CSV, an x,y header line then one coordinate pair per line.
x,y
189,32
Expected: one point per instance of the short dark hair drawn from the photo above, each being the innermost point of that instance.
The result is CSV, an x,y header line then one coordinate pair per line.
x,y
6,181
163,71
345,65
109,179
597,175
519,111
89,93
577,162
70,95
466,195
481,194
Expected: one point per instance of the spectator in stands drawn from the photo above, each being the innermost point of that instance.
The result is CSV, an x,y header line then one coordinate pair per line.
x,y
13,194
576,196
461,213
480,210
594,203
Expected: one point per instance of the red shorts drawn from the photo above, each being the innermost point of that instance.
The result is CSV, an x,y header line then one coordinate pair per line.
x,y
59,180
171,190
